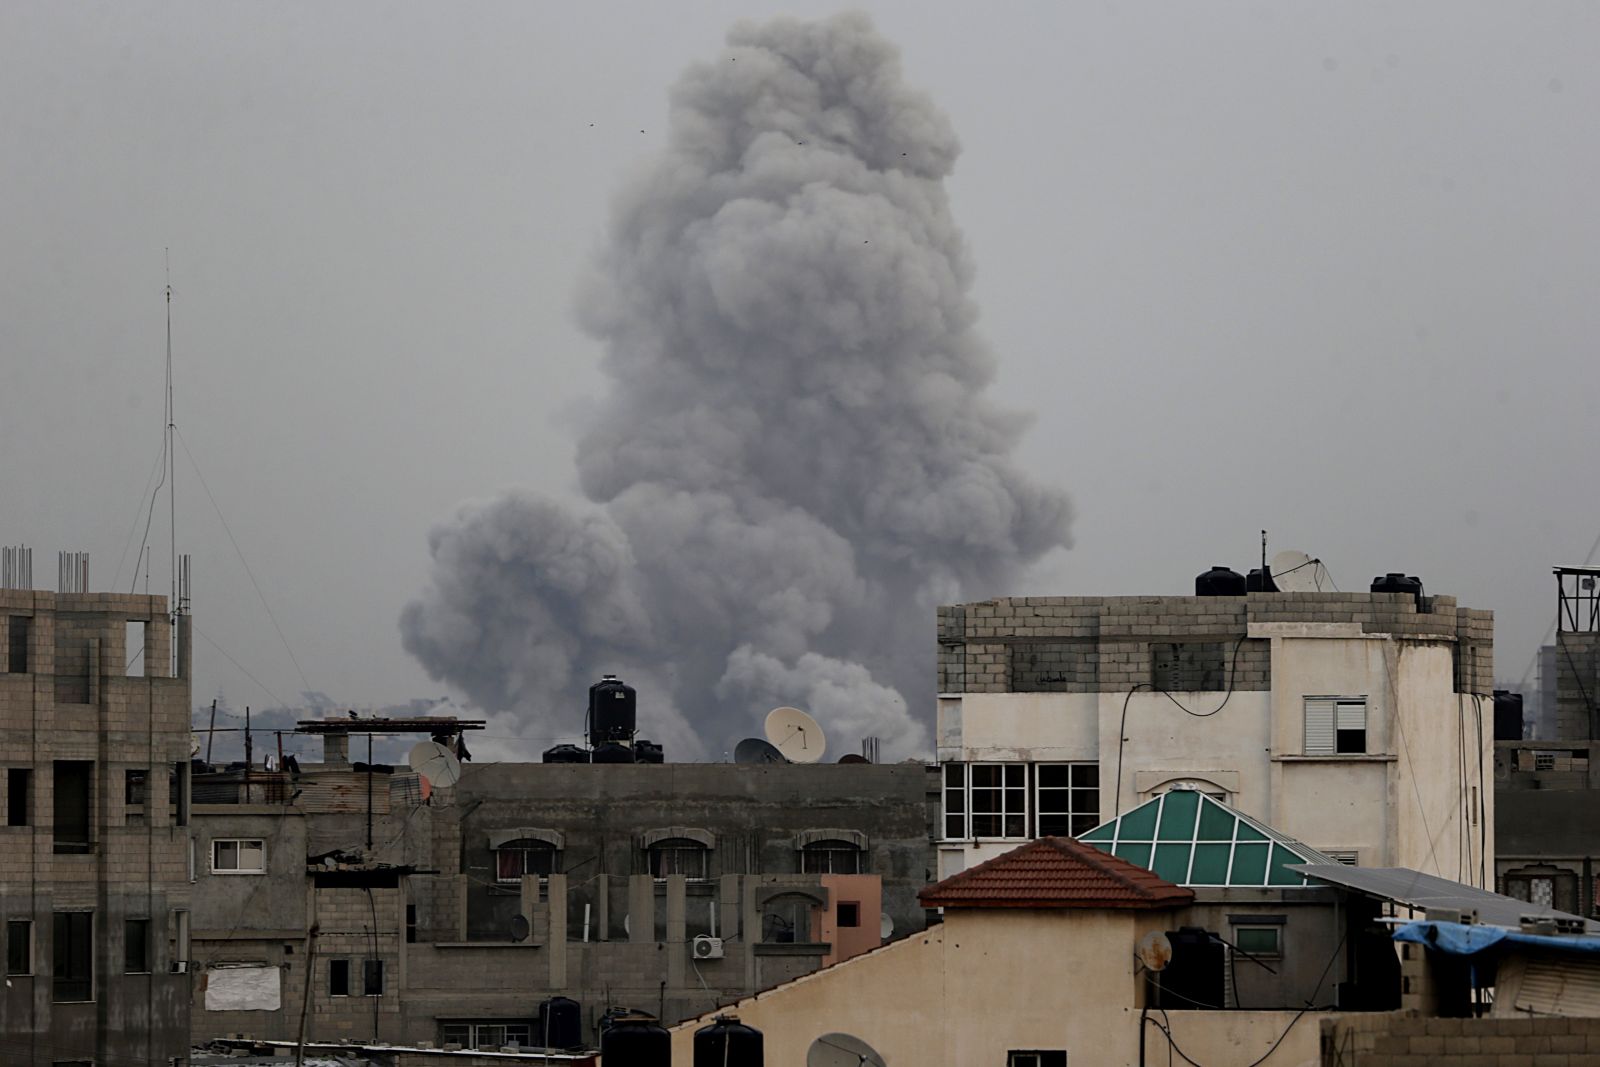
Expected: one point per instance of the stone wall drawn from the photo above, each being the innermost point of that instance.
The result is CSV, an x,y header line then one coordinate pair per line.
x,y
1102,644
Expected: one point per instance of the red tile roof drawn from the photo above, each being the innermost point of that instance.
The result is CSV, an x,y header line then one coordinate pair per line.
x,y
1055,872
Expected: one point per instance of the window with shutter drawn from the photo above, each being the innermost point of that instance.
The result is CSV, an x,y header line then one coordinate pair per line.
x,y
1319,727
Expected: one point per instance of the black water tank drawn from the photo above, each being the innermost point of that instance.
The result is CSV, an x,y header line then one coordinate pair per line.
x,y
1193,977
1398,583
636,1041
1220,581
1259,580
727,1042
648,752
612,710
611,752
560,1023
566,754
1507,716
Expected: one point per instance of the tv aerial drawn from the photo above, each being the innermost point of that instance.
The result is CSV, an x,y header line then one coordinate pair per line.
x,y
434,762
796,735
842,1050
1296,572
755,750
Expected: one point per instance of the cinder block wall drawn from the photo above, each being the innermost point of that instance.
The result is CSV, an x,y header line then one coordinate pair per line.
x,y
1388,1040
1106,644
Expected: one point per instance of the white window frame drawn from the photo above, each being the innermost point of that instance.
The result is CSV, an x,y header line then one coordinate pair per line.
x,y
678,844
1325,717
1008,791
475,1032
1040,789
238,843
959,790
1276,953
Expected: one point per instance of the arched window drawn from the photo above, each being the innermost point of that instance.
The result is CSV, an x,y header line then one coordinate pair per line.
x,y
525,855
831,856
680,855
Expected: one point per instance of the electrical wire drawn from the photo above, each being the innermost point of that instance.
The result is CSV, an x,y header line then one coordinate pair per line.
x,y
1122,726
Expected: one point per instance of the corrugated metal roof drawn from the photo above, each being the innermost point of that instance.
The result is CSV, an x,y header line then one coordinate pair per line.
x,y
1549,985
1419,891
1055,872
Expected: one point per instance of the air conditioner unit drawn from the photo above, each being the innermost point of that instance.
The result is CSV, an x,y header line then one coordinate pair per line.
x,y
707,948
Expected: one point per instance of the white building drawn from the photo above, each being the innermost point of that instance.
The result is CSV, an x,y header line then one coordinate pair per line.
x,y
1359,723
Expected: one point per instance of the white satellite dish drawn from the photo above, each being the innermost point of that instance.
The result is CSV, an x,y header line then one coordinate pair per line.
x,y
627,925
1154,951
1296,572
194,745
885,926
796,735
842,1050
435,763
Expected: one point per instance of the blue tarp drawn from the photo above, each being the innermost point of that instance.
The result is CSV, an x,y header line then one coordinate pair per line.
x,y
1469,939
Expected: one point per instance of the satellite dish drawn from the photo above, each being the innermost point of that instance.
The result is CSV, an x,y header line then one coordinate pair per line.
x,y
435,763
852,757
627,925
842,1050
885,926
1154,951
755,750
1296,572
194,745
796,735
519,928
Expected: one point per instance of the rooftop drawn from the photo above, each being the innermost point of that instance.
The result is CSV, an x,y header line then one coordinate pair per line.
x,y
1055,872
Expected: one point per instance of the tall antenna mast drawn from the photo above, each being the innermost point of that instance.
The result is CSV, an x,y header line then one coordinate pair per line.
x,y
172,457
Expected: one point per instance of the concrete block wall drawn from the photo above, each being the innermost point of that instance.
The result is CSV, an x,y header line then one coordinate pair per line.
x,y
1103,644
1577,657
1391,1040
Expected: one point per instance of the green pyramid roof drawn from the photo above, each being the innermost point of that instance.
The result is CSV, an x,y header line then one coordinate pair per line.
x,y
1191,839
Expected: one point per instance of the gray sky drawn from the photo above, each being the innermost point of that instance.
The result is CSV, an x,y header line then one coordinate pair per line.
x,y
1325,269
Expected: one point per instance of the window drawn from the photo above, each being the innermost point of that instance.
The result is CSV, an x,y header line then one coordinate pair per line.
x,y
1348,857
133,787
1037,1058
679,855
238,856
1068,802
178,792
136,946
73,978
71,827
372,978
493,1035
955,800
1258,940
1335,726
19,946
338,978
998,799
787,919
525,855
848,913
830,857
411,924
19,782
17,645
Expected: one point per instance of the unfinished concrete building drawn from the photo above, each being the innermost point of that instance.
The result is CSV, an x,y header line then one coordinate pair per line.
x,y
667,888
94,852
1358,723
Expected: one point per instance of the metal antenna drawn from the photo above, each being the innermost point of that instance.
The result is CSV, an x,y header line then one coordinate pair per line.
x,y
172,455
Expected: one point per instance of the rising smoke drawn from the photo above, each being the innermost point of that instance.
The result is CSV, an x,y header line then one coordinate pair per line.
x,y
795,463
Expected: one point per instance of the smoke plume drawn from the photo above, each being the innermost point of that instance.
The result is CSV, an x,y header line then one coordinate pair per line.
x,y
795,463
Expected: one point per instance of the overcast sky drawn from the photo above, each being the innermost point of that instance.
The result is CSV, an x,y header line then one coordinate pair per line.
x,y
1324,269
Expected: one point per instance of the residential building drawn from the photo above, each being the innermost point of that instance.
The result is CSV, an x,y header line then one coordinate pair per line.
x,y
94,851
1356,722
663,887
1547,792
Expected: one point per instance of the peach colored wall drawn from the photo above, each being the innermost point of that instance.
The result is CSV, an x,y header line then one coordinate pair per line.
x,y
866,890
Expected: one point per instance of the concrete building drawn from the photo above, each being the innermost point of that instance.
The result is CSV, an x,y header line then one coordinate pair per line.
x,y
95,849
663,887
1547,800
1355,722
1038,963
